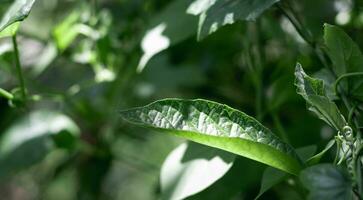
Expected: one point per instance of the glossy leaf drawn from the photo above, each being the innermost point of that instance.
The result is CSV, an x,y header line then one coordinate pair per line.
x,y
312,90
346,57
30,139
325,181
218,126
217,13
190,168
18,11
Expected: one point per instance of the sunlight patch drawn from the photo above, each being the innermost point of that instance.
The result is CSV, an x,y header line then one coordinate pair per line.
x,y
152,43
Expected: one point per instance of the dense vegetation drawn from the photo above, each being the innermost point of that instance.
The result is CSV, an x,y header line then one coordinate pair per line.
x,y
117,99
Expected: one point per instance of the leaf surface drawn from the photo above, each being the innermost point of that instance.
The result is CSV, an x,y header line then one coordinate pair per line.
x,y
218,126
31,138
190,168
346,57
217,13
312,90
325,181
18,11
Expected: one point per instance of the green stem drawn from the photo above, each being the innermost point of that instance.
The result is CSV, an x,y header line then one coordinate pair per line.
x,y
6,94
18,68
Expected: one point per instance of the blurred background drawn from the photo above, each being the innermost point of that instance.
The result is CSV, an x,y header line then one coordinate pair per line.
x,y
85,60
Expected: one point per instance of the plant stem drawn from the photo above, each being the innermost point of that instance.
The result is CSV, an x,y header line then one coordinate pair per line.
x,y
18,68
6,94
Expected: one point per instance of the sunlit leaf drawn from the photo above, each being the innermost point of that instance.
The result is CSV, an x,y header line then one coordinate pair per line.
x,y
31,138
170,27
326,181
246,170
10,30
190,168
66,31
18,11
312,90
217,13
218,126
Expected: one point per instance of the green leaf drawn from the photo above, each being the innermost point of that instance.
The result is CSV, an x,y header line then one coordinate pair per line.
x,y
346,57
10,30
312,90
316,158
31,138
325,181
67,31
246,170
18,11
190,168
164,32
217,13
272,176
218,126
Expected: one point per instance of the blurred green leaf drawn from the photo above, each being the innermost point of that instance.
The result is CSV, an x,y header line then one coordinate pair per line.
x,y
168,28
346,57
190,168
10,30
31,138
18,11
217,13
326,181
238,181
66,31
312,90
218,126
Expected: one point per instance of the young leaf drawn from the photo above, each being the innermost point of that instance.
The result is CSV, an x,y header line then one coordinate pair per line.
x,y
30,139
326,181
218,13
190,168
218,126
18,11
312,90
346,57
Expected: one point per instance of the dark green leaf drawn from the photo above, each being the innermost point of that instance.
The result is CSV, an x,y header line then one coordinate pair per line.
x,y
316,158
30,139
18,11
325,181
272,176
346,57
218,126
312,90
191,168
218,13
